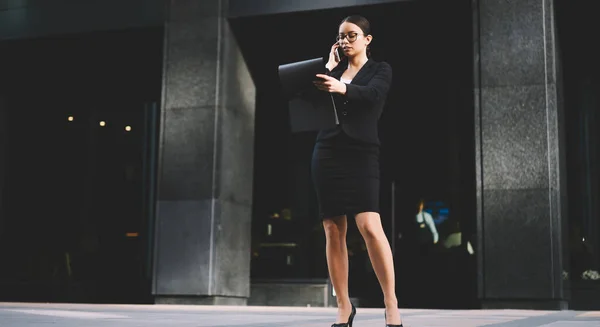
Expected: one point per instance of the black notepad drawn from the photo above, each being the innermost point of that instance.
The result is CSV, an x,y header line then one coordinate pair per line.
x,y
310,109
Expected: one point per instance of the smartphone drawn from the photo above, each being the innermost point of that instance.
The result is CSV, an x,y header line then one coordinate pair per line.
x,y
339,53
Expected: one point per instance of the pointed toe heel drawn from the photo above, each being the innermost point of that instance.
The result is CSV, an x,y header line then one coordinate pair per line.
x,y
350,319
388,325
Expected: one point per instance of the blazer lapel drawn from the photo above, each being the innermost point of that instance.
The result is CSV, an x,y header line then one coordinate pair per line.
x,y
363,75
337,73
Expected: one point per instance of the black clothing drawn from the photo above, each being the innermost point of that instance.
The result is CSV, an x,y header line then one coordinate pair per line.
x,y
345,162
360,108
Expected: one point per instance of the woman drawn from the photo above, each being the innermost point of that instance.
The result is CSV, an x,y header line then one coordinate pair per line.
x,y
345,164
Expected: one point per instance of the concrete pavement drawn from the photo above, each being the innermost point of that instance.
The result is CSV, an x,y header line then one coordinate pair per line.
x,y
91,315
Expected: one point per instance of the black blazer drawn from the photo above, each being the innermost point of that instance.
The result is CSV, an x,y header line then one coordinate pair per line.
x,y
360,108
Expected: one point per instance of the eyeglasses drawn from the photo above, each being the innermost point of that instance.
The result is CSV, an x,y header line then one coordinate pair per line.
x,y
351,37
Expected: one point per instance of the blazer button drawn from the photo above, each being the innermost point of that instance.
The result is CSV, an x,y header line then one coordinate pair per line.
x,y
345,102
345,113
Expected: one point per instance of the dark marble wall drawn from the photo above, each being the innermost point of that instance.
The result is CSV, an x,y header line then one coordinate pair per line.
x,y
3,144
520,167
244,8
35,18
202,252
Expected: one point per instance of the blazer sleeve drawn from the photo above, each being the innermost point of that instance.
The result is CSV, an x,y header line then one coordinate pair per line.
x,y
376,89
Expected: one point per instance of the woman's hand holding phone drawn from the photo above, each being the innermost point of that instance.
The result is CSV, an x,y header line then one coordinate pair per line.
x,y
334,57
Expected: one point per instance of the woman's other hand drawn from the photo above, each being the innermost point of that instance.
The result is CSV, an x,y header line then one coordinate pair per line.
x,y
330,84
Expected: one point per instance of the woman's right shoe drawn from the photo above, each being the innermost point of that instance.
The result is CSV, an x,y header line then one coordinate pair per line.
x,y
388,325
350,319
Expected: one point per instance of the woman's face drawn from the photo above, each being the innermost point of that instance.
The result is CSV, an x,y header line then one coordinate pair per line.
x,y
352,39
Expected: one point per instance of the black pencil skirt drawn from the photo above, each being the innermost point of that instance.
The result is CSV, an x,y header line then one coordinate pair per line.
x,y
345,174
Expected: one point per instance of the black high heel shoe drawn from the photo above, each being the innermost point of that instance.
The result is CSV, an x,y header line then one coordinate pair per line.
x,y
350,319
388,325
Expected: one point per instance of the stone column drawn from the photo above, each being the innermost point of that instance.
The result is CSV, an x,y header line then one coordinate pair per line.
x,y
3,153
520,155
202,247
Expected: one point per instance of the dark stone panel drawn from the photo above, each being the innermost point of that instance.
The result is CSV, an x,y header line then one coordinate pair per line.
x,y
183,247
3,146
478,192
207,155
191,63
518,251
558,150
551,43
512,43
244,8
521,199
187,154
514,137
201,300
235,79
235,157
555,150
476,44
235,165
198,34
557,183
12,4
232,248
193,10
44,18
293,294
557,219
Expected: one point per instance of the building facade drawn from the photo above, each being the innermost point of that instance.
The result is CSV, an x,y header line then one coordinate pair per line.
x,y
203,243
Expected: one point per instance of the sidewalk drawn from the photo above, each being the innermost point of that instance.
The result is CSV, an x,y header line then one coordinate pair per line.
x,y
89,315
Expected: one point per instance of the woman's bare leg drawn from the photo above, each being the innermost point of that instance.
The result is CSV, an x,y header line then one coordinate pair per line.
x,y
337,263
380,253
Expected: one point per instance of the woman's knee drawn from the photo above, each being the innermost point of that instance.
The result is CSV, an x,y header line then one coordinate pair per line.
x,y
369,224
334,227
